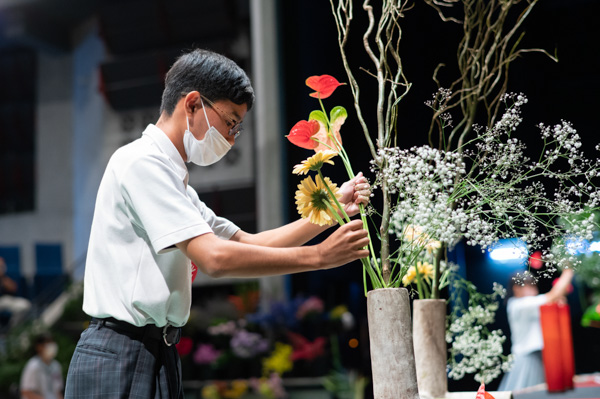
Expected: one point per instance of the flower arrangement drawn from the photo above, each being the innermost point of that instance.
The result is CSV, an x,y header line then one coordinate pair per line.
x,y
472,184
319,200
486,190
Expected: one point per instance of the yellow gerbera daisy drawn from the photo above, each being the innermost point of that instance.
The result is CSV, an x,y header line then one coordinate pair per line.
x,y
312,199
410,276
425,270
315,162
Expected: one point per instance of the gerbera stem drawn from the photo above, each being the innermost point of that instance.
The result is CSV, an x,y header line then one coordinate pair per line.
x,y
335,213
334,198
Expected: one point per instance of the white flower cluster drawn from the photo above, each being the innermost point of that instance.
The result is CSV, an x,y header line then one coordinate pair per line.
x,y
489,189
481,356
423,179
474,349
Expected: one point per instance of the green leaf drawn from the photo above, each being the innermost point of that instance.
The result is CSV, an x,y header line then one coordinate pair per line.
x,y
319,116
338,112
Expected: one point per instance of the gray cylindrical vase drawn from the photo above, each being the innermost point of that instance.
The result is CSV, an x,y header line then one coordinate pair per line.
x,y
429,337
390,335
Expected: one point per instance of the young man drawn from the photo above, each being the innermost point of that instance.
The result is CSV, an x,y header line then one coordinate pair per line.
x,y
148,225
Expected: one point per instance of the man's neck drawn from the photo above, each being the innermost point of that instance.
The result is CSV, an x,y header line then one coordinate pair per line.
x,y
173,130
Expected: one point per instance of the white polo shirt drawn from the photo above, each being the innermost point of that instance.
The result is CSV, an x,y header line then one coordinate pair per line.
x,y
144,207
524,321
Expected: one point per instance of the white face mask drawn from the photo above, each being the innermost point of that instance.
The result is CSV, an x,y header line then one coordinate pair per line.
x,y
208,150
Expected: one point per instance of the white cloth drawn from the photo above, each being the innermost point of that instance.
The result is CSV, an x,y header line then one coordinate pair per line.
x,y
527,342
144,207
17,306
524,321
44,379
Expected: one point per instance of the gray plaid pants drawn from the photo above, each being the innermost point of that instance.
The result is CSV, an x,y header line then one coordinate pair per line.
x,y
108,363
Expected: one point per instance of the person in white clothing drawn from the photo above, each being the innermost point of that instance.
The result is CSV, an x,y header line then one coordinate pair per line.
x,y
149,226
17,306
42,376
523,310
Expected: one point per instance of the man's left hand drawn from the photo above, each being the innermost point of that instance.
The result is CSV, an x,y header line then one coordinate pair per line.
x,y
355,192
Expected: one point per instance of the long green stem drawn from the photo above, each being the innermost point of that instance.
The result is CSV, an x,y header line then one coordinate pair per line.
x,y
334,198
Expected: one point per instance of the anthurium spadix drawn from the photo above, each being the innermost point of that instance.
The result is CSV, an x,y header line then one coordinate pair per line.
x,y
328,136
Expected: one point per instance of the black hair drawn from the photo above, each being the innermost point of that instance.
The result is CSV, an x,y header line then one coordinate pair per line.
x,y
518,278
215,76
42,338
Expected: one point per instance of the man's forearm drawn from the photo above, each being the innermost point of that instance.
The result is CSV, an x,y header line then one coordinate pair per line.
x,y
291,235
218,258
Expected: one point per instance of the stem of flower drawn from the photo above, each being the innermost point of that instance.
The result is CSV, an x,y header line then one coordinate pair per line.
x,y
332,195
335,213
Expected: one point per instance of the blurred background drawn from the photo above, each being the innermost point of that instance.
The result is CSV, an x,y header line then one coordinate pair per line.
x,y
78,79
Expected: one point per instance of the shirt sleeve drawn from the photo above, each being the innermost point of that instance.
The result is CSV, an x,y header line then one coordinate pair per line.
x,y
159,203
221,226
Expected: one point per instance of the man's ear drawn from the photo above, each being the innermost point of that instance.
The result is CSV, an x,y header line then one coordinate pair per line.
x,y
191,100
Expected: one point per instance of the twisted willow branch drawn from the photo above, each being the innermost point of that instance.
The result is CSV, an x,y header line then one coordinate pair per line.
x,y
381,42
484,56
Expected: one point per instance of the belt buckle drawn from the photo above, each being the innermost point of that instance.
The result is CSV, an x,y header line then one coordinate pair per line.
x,y
171,336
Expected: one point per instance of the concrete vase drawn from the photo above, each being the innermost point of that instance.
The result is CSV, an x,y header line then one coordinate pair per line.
x,y
390,335
429,331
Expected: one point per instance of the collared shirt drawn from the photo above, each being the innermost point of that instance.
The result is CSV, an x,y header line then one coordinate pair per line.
x,y
524,321
144,207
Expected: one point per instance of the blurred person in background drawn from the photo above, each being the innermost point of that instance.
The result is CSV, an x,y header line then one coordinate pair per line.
x,y
15,305
150,229
523,310
42,376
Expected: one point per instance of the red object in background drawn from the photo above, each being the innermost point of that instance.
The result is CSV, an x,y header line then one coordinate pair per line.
x,y
566,344
535,260
559,360
184,346
482,393
194,271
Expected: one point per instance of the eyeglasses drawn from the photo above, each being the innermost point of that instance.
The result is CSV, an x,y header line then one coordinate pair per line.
x,y
235,127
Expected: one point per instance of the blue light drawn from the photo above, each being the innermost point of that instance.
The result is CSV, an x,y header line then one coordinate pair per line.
x,y
509,250
594,246
576,247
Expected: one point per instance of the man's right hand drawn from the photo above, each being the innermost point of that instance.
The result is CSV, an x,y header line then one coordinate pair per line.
x,y
344,245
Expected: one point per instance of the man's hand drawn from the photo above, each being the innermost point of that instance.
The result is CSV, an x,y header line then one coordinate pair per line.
x,y
344,245
355,192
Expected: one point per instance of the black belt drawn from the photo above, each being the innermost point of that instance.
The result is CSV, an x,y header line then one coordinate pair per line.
x,y
169,334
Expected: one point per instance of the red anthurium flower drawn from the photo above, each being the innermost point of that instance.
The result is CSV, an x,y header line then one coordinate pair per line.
x,y
302,132
323,85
